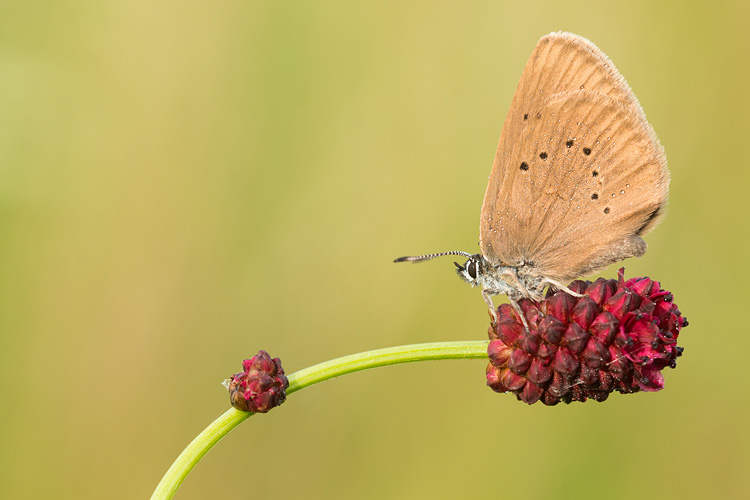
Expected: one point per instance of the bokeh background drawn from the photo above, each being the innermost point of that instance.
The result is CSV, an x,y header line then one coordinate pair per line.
x,y
185,183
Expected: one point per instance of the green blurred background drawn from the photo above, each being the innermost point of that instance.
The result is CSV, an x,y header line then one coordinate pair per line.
x,y
185,183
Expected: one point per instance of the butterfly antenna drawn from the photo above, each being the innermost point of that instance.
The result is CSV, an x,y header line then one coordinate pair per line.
x,y
422,258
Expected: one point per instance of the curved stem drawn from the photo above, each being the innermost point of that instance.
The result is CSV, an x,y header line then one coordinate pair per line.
x,y
220,427
475,349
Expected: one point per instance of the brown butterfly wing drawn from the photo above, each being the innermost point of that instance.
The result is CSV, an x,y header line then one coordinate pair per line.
x,y
579,174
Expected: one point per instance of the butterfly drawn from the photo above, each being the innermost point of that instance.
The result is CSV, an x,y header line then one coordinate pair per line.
x,y
579,177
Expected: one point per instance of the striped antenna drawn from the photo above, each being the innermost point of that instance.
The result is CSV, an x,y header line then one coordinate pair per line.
x,y
422,258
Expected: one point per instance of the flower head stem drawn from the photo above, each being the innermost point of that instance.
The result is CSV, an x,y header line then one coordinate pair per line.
x,y
474,349
191,455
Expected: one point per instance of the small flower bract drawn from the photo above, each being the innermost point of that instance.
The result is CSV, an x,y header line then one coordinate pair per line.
x,y
618,337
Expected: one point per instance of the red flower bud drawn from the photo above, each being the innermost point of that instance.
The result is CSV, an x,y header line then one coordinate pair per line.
x,y
260,386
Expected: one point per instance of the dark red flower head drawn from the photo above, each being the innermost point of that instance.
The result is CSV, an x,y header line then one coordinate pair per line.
x,y
260,386
618,337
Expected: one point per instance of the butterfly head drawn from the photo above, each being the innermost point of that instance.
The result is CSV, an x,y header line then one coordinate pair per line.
x,y
474,269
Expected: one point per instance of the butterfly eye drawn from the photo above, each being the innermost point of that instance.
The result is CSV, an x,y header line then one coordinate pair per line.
x,y
471,268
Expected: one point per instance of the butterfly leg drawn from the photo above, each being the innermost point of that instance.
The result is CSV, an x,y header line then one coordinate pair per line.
x,y
520,314
560,286
487,294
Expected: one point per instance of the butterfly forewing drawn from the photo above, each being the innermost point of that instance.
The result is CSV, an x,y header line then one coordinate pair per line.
x,y
579,174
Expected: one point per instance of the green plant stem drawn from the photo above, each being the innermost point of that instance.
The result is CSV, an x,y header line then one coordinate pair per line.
x,y
220,427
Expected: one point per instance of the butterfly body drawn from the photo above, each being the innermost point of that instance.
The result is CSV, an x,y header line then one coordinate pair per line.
x,y
516,282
